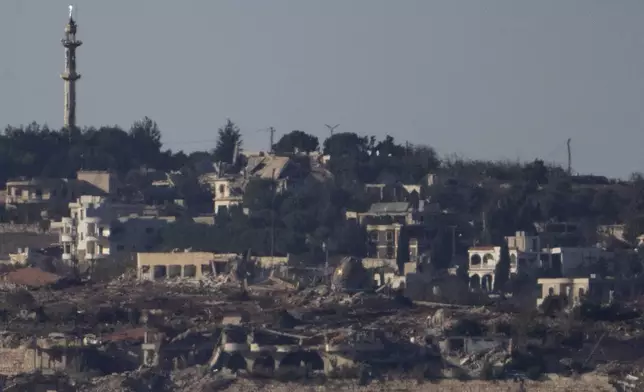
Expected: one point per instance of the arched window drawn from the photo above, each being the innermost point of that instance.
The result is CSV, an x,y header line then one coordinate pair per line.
x,y
475,259
488,258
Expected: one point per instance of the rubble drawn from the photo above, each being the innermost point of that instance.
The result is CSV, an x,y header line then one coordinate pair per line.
x,y
151,335
31,277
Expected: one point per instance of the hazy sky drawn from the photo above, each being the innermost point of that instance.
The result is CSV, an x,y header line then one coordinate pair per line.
x,y
501,79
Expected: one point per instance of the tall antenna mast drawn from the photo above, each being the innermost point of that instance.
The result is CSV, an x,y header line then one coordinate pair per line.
x,y
569,157
331,128
272,137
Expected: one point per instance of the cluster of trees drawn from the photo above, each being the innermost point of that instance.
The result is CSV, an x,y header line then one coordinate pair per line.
x,y
39,151
487,200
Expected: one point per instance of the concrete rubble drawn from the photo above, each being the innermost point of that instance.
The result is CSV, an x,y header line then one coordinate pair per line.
x,y
267,332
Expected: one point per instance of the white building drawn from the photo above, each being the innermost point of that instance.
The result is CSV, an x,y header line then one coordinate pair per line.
x,y
525,257
97,228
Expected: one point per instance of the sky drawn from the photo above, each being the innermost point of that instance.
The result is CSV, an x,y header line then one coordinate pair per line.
x,y
493,79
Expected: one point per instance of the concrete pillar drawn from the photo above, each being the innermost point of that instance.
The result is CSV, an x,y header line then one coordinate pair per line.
x,y
249,363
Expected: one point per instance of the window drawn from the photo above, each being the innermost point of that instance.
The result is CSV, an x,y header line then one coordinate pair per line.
x,y
390,236
189,271
222,190
551,292
373,236
159,272
220,268
539,291
174,271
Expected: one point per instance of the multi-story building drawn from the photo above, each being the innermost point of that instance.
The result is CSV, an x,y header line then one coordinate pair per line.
x,y
384,240
390,226
31,197
228,189
525,257
227,192
98,228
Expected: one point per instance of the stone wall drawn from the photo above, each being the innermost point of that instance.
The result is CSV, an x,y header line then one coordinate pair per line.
x,y
12,360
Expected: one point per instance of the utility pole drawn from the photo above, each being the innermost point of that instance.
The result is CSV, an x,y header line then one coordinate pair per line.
x,y
331,128
569,157
453,227
325,249
272,137
273,217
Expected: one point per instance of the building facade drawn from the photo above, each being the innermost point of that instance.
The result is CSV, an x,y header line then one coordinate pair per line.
x,y
525,258
591,288
98,228
574,261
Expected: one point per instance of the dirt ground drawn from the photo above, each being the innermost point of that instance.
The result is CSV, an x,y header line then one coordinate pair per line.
x,y
587,383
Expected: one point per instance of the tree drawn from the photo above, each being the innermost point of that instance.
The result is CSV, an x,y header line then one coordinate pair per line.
x,y
229,141
502,270
296,141
146,140
536,172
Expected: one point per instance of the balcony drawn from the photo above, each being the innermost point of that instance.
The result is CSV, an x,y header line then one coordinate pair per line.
x,y
66,238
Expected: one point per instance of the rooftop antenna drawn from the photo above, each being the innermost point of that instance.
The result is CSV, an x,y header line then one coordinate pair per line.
x,y
331,128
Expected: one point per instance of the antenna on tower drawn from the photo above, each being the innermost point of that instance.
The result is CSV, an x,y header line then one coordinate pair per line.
x,y
569,157
272,137
71,11
331,127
